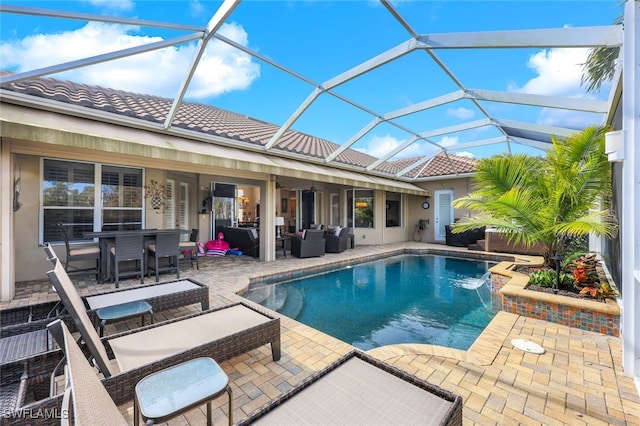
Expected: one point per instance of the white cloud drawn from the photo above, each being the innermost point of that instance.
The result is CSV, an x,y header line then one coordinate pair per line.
x,y
569,119
197,8
448,141
466,154
379,146
559,72
461,113
222,68
113,4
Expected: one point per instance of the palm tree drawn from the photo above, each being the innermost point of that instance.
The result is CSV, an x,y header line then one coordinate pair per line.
x,y
601,62
548,200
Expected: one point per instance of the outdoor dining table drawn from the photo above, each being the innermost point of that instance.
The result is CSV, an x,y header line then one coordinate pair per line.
x,y
105,238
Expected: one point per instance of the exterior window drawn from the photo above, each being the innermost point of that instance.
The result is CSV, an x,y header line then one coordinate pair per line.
x,y
69,197
393,209
360,208
121,199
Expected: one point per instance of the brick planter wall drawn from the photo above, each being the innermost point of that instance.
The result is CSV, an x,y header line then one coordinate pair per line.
x,y
585,314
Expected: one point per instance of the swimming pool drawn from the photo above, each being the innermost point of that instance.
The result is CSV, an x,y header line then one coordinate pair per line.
x,y
402,299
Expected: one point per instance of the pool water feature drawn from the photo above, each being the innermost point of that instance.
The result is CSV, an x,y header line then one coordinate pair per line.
x,y
429,299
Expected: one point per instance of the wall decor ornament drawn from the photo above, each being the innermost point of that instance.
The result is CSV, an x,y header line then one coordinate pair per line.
x,y
157,193
17,189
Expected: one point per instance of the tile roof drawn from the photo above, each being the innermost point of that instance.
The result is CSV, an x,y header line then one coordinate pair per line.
x,y
211,120
440,165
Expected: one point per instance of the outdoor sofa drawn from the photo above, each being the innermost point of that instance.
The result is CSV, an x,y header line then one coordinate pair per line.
x,y
243,239
463,239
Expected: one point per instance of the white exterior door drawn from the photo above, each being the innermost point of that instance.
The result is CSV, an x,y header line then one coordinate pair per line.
x,y
443,212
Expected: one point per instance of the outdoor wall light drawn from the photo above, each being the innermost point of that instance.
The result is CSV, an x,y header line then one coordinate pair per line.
x,y
614,145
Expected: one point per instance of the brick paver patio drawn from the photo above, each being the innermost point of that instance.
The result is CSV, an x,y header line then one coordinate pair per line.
x,y
578,380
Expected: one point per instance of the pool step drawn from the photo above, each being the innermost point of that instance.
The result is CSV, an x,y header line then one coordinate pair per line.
x,y
293,303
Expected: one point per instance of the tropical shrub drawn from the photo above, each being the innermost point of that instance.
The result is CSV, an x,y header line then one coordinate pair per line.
x,y
552,199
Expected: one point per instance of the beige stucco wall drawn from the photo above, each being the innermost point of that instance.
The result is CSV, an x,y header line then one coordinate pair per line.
x,y
460,188
32,265
30,261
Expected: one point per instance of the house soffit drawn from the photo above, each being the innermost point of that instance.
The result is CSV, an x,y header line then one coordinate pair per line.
x,y
19,123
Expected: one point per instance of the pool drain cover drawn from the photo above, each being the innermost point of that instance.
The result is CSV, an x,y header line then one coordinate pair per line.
x,y
528,346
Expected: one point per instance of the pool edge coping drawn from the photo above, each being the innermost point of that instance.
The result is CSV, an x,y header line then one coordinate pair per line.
x,y
339,264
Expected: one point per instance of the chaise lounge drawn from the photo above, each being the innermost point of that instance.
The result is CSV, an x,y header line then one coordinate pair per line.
x,y
159,397
358,389
161,296
220,334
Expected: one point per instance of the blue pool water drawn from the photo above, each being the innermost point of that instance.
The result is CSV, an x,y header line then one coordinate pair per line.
x,y
404,299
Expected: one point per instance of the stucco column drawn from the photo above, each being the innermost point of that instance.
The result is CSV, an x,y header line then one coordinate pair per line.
x,y
7,263
630,238
267,219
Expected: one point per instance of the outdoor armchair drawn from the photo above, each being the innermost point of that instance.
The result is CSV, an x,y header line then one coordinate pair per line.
x,y
190,248
310,244
128,248
337,242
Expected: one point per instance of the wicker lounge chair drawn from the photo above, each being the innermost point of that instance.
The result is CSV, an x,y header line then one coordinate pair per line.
x,y
218,333
161,296
358,389
93,405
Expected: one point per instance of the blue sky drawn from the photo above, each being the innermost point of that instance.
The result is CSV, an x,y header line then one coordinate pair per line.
x,y
319,40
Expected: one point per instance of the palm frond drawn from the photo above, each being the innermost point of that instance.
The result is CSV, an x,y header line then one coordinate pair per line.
x,y
600,65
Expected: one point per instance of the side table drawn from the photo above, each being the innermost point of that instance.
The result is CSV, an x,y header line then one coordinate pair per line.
x,y
165,394
123,311
284,239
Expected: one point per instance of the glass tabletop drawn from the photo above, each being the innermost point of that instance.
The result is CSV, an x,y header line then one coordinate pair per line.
x,y
124,310
175,388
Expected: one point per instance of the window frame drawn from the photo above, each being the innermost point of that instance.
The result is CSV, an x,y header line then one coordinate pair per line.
x,y
364,195
97,208
393,205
